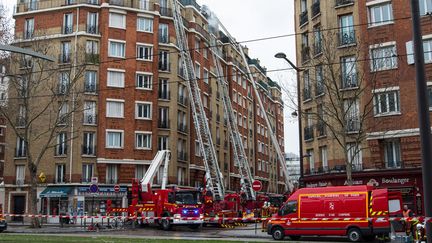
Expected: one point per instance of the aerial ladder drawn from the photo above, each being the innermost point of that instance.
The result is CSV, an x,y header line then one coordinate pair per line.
x,y
239,153
162,156
280,157
214,178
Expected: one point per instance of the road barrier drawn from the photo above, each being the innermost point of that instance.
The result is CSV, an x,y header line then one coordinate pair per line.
x,y
238,219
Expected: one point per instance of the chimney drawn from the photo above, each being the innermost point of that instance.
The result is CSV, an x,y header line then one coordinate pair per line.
x,y
246,50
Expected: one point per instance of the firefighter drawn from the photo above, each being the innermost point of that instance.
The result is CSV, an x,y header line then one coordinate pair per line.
x,y
407,213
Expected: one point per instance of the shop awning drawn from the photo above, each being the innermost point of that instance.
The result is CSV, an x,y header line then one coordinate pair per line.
x,y
57,191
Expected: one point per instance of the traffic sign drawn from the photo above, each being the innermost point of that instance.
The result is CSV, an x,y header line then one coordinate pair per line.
x,y
94,180
257,185
117,188
94,188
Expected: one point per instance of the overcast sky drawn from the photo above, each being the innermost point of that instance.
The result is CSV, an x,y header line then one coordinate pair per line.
x,y
254,19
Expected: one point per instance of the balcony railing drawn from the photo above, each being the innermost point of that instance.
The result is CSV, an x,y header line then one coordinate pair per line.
x,y
164,66
92,58
344,2
201,30
67,29
315,8
182,156
90,88
92,29
317,48
305,53
62,88
32,5
347,37
307,94
88,150
61,150
182,127
20,152
165,95
90,119
319,89
353,124
349,81
164,124
321,129
163,38
167,12
28,34
308,133
64,58
303,17
182,100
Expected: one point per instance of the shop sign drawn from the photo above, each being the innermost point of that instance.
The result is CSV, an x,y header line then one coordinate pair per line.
x,y
396,181
102,190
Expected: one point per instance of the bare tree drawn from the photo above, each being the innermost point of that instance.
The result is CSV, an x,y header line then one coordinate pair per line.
x,y
43,102
6,26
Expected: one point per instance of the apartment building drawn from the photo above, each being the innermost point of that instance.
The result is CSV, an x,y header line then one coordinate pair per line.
x,y
135,102
374,42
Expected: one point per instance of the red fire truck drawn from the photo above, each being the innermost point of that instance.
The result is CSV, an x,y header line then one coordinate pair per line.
x,y
358,212
177,206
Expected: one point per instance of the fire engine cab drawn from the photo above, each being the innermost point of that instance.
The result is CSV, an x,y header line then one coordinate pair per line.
x,y
358,212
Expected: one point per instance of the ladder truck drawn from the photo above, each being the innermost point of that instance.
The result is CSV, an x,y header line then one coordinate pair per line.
x,y
214,178
172,206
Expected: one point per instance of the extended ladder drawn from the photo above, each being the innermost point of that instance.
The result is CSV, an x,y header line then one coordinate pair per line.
x,y
239,153
162,156
214,178
281,158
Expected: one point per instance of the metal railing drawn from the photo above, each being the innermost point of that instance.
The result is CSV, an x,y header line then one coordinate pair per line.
x,y
62,88
344,2
307,94
29,34
182,127
64,58
182,156
321,129
111,181
182,100
88,150
308,133
67,29
167,12
164,66
32,5
346,37
90,119
164,124
200,30
163,38
92,29
165,95
141,4
20,152
61,150
319,88
304,17
90,87
349,81
305,53
353,124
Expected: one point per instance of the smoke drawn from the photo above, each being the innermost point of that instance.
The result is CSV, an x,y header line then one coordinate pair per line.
x,y
212,19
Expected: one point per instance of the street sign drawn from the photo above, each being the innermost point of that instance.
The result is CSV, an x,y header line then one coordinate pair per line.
x,y
257,185
94,180
94,188
117,188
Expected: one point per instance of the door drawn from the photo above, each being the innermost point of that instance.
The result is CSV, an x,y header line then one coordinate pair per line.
x,y
18,207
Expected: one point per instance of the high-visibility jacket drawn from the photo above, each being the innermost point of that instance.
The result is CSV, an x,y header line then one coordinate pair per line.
x,y
407,213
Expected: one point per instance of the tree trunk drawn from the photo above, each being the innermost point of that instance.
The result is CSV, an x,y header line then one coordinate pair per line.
x,y
348,169
35,223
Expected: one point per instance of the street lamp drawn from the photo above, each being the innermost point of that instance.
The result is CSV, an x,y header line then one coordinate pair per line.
x,y
282,55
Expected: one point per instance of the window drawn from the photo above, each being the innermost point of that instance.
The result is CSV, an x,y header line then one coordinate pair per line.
x,y
87,172
324,158
144,52
182,121
205,51
89,112
163,143
383,58
90,82
68,23
392,153
143,140
197,149
429,91
319,89
21,148
349,72
181,174
427,48
164,89
60,173
92,21
317,39
65,52
115,108
303,6
111,174
197,44
64,82
380,14
355,156
288,208
309,152
206,76
387,102
164,64
117,49
140,171
143,110
28,28
425,6
144,81
117,20
20,174
352,111
63,113
116,78
145,24
61,147
164,117
307,86
197,71
92,47
114,139
163,33
346,30
89,143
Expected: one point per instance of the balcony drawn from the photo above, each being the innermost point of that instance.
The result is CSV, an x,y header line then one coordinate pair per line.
x,y
90,88
340,3
67,29
64,58
32,5
303,18
353,124
346,37
182,156
89,119
92,58
305,53
88,150
167,12
201,30
349,81
316,9
191,3
307,94
308,133
92,29
321,129
164,124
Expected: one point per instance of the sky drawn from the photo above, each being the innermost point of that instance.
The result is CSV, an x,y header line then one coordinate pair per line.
x,y
256,19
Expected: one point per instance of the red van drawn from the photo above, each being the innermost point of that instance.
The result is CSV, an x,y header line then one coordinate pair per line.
x,y
358,212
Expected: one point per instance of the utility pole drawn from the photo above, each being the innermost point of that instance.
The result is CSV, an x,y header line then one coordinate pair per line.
x,y
423,114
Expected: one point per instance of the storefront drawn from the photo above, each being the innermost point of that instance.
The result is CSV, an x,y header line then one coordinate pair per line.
x,y
55,201
95,203
407,181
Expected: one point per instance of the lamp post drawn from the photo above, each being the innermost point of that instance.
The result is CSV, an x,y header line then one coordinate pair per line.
x,y
282,55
